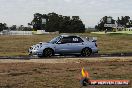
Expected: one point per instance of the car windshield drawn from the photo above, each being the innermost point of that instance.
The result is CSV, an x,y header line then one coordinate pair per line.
x,y
54,40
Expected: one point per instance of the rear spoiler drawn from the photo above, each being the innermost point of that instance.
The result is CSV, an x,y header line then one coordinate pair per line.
x,y
93,39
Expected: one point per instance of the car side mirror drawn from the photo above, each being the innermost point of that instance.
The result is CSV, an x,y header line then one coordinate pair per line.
x,y
59,43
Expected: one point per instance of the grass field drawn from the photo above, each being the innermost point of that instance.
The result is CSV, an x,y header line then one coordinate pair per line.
x,y
63,75
63,72
18,45
117,32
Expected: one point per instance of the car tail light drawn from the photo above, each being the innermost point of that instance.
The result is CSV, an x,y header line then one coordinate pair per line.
x,y
96,45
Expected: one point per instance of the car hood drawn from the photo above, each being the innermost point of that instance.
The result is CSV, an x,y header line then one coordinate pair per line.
x,y
40,44
43,43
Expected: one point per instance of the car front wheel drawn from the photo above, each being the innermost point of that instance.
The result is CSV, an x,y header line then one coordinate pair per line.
x,y
47,52
86,52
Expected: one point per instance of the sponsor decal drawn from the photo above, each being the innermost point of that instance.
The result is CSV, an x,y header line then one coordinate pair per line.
x,y
85,80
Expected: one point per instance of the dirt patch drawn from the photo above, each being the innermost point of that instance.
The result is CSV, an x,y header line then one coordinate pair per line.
x,y
41,74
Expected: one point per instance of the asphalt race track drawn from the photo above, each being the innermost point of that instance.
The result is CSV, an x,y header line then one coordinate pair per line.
x,y
92,56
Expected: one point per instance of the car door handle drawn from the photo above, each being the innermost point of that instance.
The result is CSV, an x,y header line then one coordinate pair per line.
x,y
68,44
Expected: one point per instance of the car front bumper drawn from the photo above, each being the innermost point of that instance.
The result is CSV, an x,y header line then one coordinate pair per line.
x,y
35,52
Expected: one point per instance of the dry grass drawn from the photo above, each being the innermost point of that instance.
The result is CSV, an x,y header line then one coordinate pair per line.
x,y
113,43
18,45
62,75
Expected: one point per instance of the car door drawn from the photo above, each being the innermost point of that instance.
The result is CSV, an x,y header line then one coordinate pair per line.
x,y
77,44
64,45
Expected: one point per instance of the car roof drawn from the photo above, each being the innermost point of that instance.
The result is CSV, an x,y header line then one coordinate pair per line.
x,y
69,35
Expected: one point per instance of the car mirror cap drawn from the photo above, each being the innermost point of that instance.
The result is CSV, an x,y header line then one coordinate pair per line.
x,y
58,42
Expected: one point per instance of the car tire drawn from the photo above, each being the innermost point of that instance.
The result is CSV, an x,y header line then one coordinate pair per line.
x,y
86,52
78,55
48,52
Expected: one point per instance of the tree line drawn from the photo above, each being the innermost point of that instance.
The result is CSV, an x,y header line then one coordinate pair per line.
x,y
3,26
52,22
123,21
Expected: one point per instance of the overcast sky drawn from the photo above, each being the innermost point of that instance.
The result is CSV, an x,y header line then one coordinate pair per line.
x,y
90,11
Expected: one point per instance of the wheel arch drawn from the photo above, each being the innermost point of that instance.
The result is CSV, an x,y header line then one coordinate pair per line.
x,y
88,48
86,51
49,48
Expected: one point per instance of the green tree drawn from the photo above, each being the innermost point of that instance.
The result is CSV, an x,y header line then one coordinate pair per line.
x,y
3,26
53,22
74,25
56,22
103,21
124,21
13,27
27,29
65,24
38,23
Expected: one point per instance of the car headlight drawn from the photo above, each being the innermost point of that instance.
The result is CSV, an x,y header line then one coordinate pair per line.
x,y
31,48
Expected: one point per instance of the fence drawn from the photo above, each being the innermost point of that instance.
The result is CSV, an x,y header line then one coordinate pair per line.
x,y
6,32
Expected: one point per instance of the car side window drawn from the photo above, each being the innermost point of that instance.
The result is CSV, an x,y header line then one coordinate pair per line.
x,y
66,40
77,40
71,39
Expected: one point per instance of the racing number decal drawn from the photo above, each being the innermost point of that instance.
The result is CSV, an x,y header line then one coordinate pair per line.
x,y
75,39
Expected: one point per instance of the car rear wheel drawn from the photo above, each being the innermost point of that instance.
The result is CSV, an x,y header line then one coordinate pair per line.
x,y
48,52
86,52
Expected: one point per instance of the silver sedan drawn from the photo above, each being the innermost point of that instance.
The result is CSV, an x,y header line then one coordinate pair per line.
x,y
65,45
